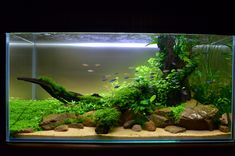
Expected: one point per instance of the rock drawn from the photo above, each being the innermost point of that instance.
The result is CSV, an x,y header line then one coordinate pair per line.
x,y
126,116
166,112
76,125
224,119
128,124
149,126
224,128
136,128
200,117
62,128
88,118
53,120
160,121
26,130
89,123
102,129
174,129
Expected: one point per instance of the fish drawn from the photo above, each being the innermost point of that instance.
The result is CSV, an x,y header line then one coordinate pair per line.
x,y
85,65
108,75
131,67
184,92
116,86
165,71
183,87
174,80
173,63
112,80
90,70
115,73
97,65
126,77
179,70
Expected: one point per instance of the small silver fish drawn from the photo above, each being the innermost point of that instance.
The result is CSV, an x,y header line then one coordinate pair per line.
x,y
165,71
85,65
108,75
126,77
97,65
90,70
184,92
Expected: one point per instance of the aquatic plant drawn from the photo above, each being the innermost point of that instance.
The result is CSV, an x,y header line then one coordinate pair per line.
x,y
215,73
28,113
106,119
176,112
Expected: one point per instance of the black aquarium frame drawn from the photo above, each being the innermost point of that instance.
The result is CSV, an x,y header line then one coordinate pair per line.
x,y
111,21
108,141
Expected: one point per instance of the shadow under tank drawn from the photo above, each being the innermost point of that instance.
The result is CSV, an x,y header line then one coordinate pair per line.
x,y
120,87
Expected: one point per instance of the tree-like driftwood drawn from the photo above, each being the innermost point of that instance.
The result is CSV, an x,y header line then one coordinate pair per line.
x,y
171,61
57,92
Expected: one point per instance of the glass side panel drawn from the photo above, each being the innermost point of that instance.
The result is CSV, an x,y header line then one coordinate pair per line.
x,y
120,87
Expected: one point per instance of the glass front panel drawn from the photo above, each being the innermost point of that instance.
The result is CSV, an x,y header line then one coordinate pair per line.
x,y
119,87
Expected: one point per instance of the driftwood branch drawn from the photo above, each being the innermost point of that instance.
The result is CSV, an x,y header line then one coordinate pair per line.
x,y
58,93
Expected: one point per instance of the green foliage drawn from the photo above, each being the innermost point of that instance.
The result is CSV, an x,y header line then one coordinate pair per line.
x,y
33,110
211,83
107,117
152,98
176,112
124,97
55,85
29,113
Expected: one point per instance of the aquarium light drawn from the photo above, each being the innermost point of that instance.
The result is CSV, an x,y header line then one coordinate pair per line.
x,y
95,45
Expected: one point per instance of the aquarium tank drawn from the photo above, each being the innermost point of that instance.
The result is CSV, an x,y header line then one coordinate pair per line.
x,y
99,87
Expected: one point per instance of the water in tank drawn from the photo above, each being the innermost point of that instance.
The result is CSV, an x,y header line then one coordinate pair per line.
x,y
119,87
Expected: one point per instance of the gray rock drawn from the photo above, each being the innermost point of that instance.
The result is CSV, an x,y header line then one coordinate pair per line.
x,y
149,126
174,129
136,128
224,119
160,121
62,128
76,125
53,120
26,130
199,117
224,128
128,124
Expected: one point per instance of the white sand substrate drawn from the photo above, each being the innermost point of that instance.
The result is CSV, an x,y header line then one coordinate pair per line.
x,y
120,132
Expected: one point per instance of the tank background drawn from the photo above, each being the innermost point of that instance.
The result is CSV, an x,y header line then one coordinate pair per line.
x,y
177,18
